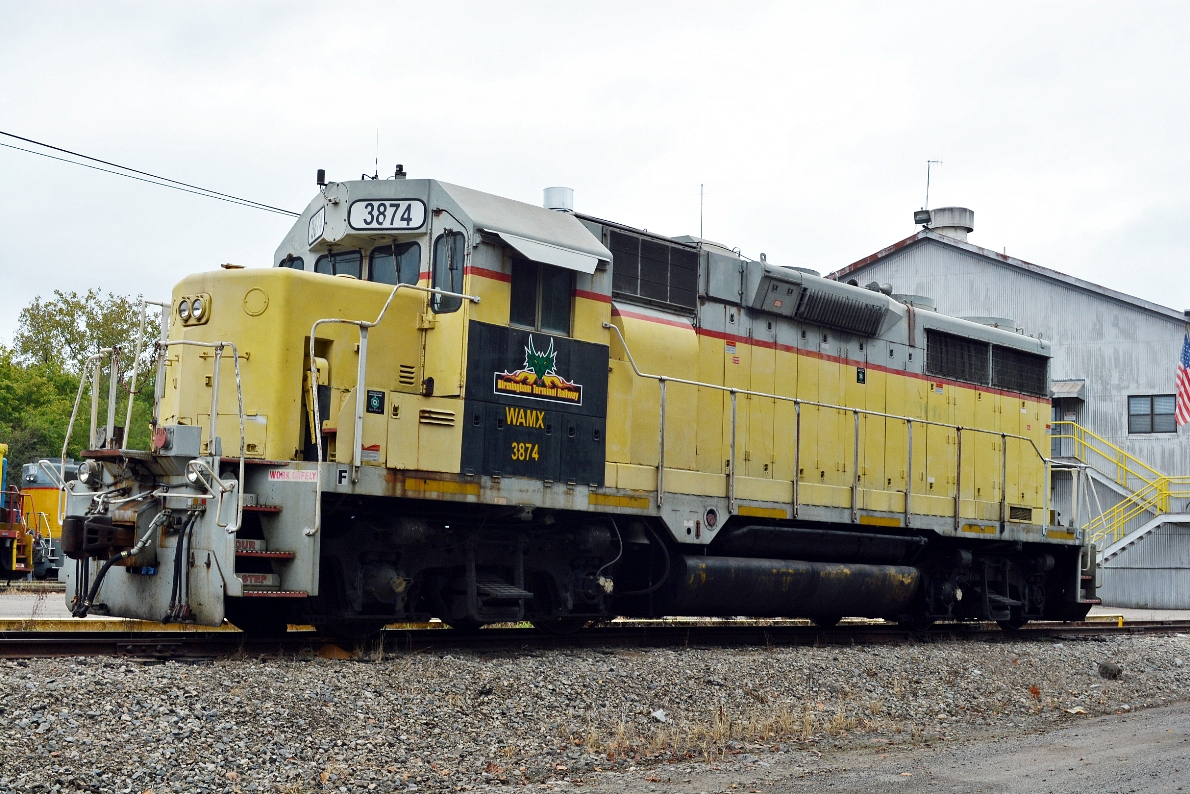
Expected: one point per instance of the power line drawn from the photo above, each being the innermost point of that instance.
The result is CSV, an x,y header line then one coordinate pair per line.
x,y
152,179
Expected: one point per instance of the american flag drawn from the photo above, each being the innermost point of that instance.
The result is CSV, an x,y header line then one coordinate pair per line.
x,y
1182,414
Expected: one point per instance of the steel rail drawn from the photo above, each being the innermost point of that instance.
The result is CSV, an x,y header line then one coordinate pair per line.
x,y
191,645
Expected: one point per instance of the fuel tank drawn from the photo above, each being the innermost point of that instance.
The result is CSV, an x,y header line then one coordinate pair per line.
x,y
721,586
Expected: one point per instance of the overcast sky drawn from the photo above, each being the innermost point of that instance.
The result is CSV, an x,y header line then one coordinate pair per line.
x,y
1063,126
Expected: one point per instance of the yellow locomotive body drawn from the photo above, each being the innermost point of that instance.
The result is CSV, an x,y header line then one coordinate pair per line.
x,y
461,406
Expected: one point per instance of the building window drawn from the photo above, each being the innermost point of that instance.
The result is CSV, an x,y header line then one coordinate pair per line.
x,y
403,269
450,252
654,270
1152,413
340,263
541,297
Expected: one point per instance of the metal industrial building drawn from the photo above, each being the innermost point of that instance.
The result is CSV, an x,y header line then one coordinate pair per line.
x,y
1115,442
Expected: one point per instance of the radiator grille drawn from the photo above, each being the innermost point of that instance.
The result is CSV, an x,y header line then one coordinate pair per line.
x,y
957,358
654,270
428,416
407,375
1014,370
1020,513
972,361
841,312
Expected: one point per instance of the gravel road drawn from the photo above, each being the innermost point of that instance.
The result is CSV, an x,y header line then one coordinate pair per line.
x,y
628,720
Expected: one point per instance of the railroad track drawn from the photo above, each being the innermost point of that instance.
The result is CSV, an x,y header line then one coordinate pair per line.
x,y
205,645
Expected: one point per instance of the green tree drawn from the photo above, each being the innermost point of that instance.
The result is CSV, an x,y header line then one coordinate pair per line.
x,y
72,327
40,374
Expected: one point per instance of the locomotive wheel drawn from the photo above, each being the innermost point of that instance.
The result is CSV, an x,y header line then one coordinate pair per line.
x,y
827,621
561,627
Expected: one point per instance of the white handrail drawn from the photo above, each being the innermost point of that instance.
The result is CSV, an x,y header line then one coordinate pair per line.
x,y
93,359
360,385
166,308
211,446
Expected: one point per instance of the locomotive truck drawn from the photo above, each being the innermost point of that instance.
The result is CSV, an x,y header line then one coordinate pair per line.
x,y
442,403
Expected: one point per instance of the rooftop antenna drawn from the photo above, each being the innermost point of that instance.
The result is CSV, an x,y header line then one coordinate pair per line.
x,y
376,165
700,192
928,164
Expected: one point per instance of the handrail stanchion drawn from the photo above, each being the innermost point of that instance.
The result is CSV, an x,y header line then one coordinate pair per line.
x,y
91,440
1045,509
731,460
361,389
113,385
797,455
958,478
211,436
908,470
661,451
1004,483
855,472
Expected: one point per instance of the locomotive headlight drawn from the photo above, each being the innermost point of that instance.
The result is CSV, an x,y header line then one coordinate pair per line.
x,y
89,473
197,308
184,309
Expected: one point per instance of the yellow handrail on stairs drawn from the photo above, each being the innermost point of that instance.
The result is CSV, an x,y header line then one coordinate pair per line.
x,y
1152,494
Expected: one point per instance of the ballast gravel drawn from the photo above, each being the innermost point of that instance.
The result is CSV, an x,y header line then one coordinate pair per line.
x,y
454,721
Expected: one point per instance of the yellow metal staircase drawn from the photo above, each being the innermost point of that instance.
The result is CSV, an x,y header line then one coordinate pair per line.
x,y
1146,490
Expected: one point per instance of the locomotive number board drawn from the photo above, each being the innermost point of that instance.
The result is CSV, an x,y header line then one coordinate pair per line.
x,y
379,215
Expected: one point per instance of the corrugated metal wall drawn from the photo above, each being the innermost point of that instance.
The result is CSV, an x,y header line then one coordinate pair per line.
x,y
1119,349
1153,573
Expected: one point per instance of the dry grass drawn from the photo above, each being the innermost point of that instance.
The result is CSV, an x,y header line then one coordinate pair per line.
x,y
708,736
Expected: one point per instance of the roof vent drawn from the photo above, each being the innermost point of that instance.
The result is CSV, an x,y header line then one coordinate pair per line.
x,y
917,302
994,322
559,198
956,222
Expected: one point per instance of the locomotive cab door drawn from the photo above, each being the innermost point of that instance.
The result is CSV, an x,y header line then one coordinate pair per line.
x,y
445,322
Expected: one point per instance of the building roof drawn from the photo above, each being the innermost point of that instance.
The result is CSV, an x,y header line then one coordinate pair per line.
x,y
928,235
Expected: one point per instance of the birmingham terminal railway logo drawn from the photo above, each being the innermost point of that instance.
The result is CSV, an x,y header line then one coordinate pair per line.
x,y
538,380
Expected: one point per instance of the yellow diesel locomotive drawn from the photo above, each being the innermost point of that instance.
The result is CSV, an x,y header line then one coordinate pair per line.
x,y
443,403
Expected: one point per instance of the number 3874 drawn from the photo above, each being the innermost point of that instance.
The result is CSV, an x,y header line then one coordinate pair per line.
x,y
524,451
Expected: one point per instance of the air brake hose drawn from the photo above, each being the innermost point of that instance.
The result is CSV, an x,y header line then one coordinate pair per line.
x,y
175,594
81,610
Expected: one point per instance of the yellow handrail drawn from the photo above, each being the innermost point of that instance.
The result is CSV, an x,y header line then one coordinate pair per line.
x,y
1153,494
1126,464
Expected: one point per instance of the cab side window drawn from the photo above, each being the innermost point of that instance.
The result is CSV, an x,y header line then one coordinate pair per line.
x,y
404,268
541,297
340,263
450,252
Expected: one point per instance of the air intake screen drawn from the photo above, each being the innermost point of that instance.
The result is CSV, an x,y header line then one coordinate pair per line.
x,y
841,312
1014,370
956,358
653,270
